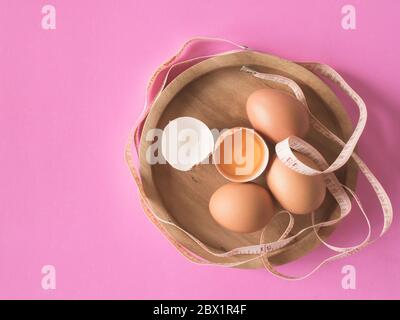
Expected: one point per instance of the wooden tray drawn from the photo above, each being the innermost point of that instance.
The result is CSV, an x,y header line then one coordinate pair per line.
x,y
215,91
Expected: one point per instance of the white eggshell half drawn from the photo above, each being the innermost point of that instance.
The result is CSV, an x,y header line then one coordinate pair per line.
x,y
186,142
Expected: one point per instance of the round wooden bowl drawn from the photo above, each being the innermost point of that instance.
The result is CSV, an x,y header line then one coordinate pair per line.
x,y
215,92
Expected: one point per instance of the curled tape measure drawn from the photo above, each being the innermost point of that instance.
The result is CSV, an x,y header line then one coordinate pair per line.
x,y
341,193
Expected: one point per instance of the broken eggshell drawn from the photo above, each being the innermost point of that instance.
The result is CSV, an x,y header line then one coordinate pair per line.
x,y
186,142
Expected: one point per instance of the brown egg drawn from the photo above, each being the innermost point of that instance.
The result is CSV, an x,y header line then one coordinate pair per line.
x,y
294,191
241,207
277,114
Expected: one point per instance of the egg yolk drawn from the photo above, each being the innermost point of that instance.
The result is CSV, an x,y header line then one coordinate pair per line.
x,y
241,154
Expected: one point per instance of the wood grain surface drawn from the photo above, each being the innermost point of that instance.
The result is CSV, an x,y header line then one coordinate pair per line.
x,y
215,92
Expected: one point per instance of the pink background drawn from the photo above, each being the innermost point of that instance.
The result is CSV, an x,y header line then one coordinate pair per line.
x,y
69,96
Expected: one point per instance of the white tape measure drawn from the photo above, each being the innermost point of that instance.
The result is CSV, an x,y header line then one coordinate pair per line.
x,y
286,155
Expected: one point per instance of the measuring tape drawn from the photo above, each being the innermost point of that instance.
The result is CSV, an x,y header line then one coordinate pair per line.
x,y
284,152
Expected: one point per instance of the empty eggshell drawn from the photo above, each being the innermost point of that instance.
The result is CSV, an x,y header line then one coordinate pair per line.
x,y
186,142
298,193
277,114
241,207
